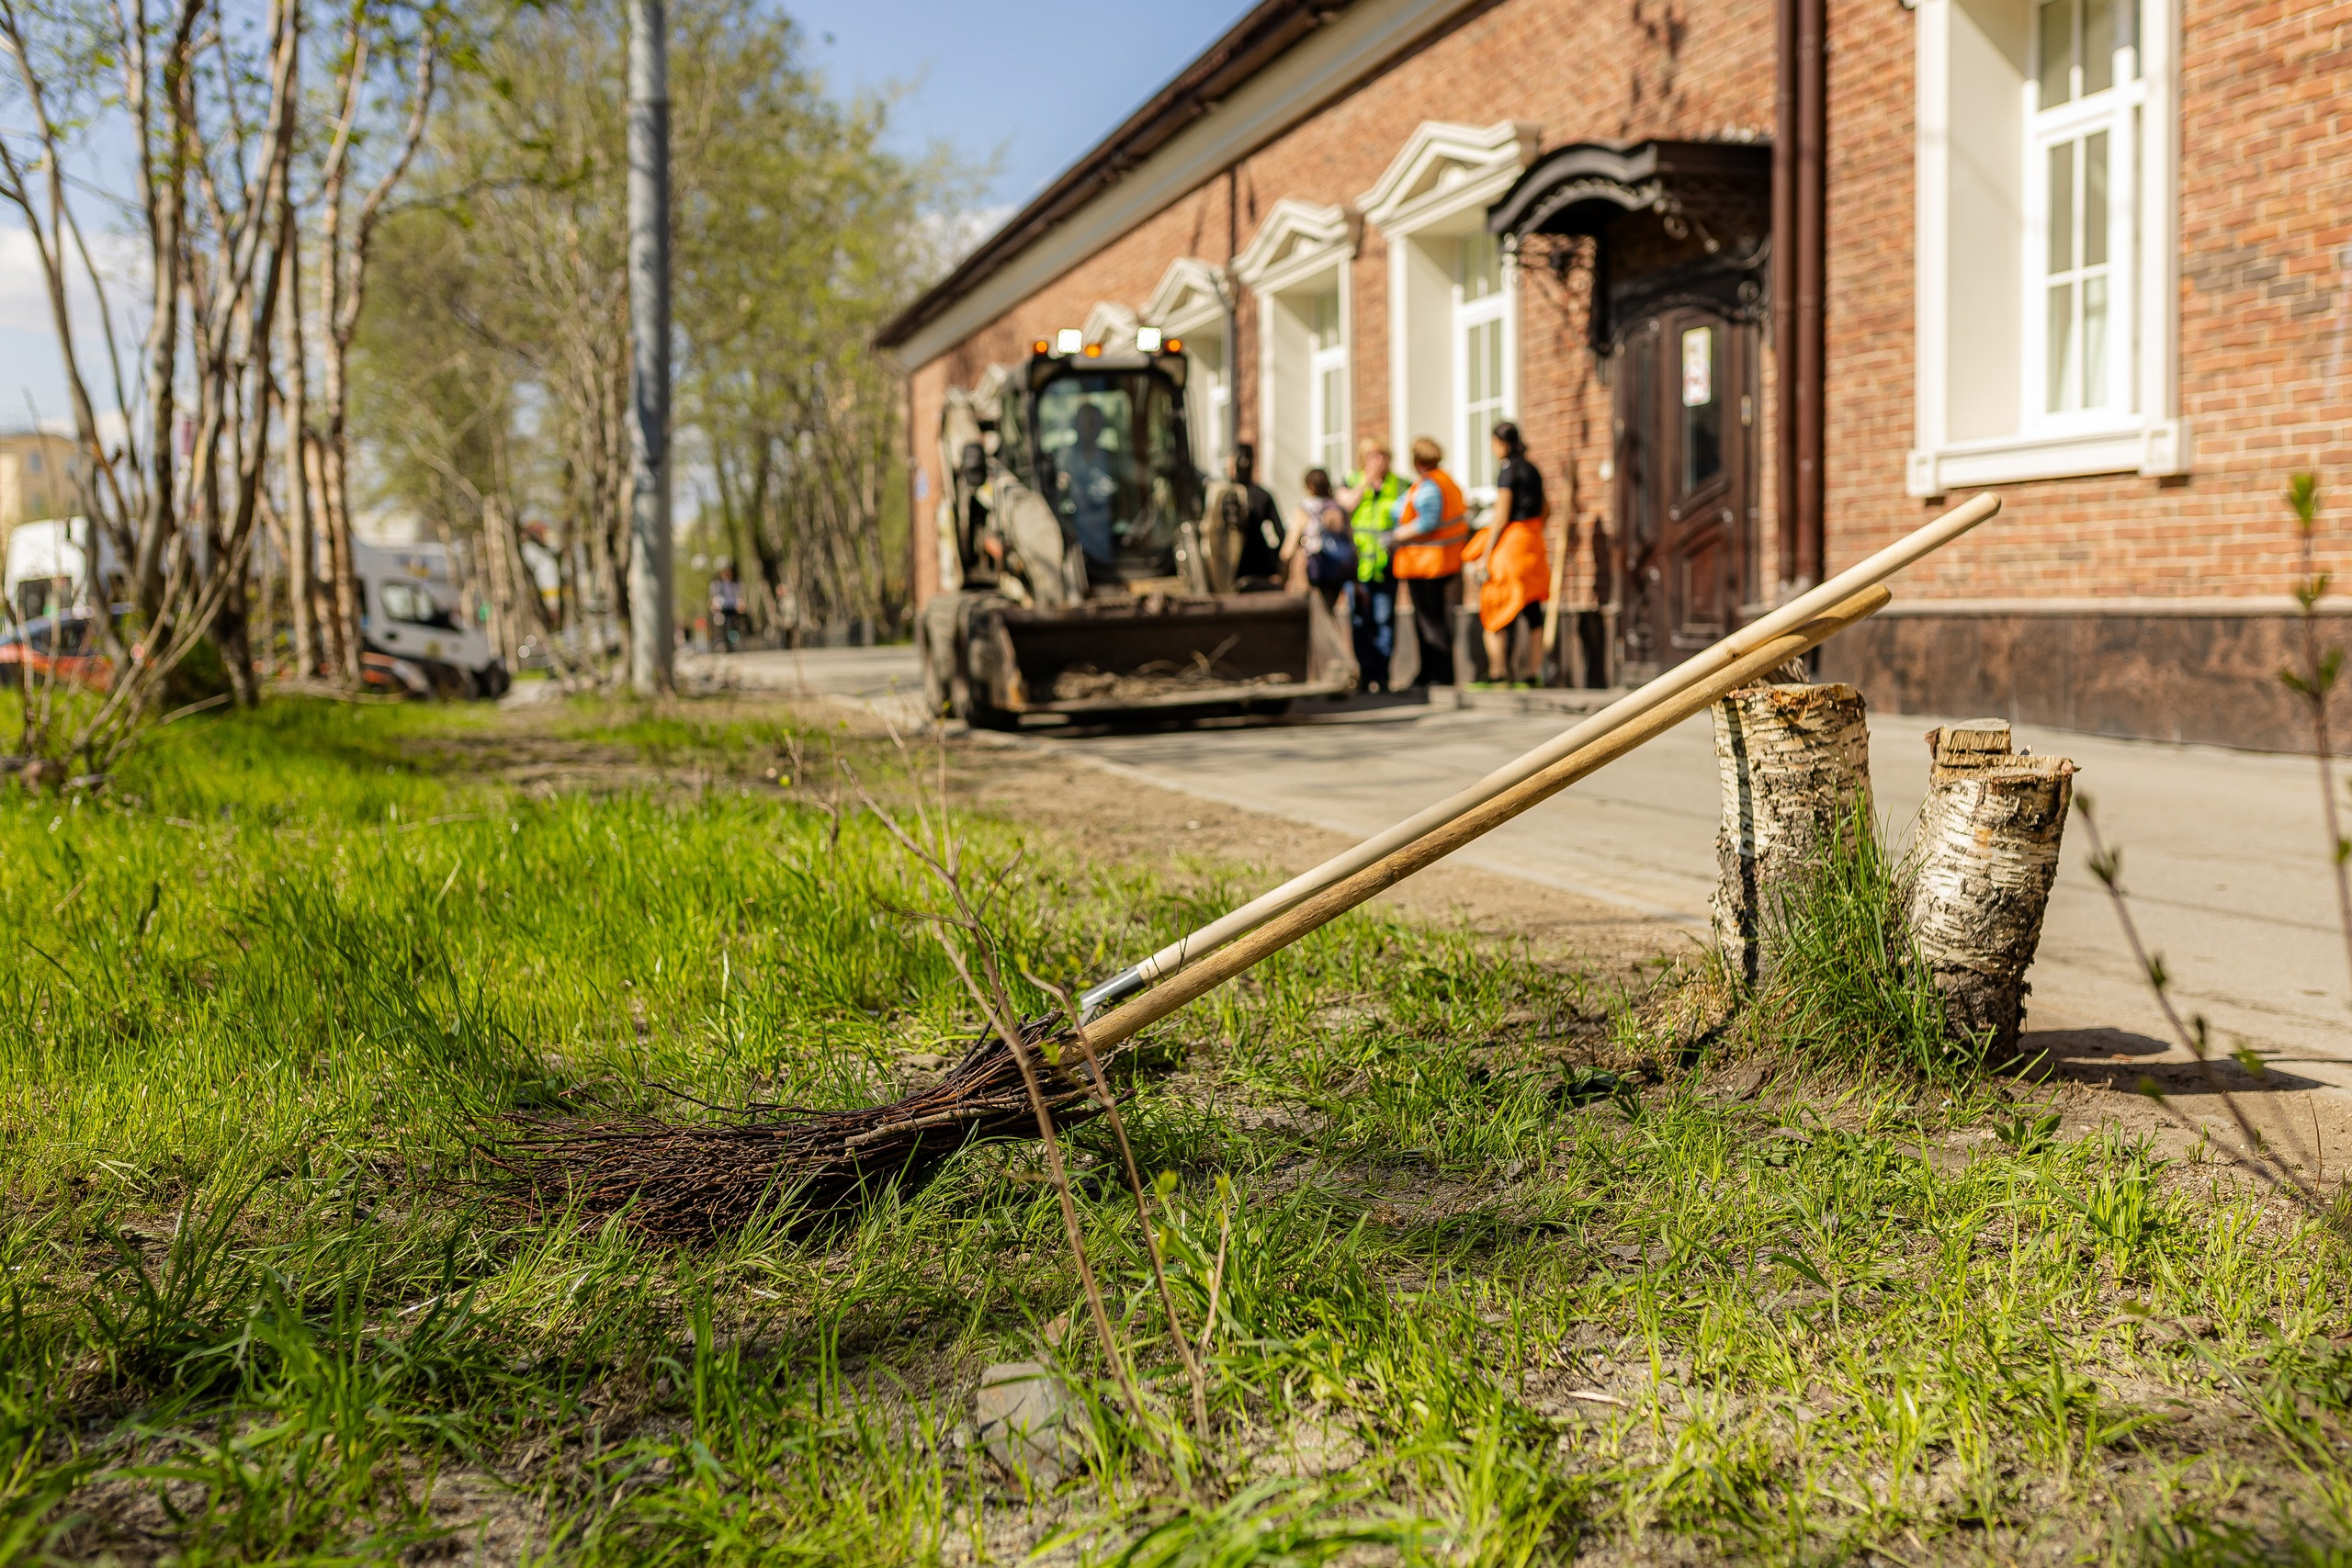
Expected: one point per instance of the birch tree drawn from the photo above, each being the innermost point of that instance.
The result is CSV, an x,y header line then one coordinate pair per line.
x,y
208,101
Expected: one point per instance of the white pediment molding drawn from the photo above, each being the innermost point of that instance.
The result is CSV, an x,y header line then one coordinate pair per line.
x,y
1444,167
1298,240
1189,299
1111,324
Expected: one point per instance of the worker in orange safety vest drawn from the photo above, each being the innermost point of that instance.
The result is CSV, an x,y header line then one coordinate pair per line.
x,y
1432,526
1518,570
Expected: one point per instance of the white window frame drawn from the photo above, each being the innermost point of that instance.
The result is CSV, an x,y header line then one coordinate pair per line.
x,y
2141,431
2115,111
1327,369
1300,251
1436,189
1216,402
1189,305
1472,316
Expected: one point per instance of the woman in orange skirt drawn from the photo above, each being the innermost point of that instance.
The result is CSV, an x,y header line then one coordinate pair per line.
x,y
1519,574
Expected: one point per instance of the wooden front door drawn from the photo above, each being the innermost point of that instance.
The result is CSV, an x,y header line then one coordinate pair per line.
x,y
1686,483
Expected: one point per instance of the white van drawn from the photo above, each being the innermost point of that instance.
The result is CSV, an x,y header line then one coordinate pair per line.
x,y
48,567
409,613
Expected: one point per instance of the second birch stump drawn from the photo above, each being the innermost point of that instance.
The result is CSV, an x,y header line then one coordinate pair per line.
x,y
1795,765
1985,856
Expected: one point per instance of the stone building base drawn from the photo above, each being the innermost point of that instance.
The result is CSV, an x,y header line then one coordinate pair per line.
x,y
2137,669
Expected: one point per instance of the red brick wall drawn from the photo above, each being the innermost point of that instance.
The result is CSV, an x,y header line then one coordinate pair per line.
x,y
2266,315
2265,211
926,396
1669,68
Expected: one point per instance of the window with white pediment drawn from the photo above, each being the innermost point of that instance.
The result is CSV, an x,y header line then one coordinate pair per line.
x,y
1454,316
1296,265
1189,306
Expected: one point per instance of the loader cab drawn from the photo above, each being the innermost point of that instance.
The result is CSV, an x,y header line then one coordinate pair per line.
x,y
1102,437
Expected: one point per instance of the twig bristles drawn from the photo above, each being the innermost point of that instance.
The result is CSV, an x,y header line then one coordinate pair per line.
x,y
2314,683
1110,1104
936,851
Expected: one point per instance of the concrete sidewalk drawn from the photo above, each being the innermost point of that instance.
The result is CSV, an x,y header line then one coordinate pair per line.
x,y
2224,852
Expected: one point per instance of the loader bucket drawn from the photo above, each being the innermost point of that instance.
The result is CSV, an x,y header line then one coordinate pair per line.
x,y
1158,652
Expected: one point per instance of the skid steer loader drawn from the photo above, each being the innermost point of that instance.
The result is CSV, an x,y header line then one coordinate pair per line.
x,y
1086,565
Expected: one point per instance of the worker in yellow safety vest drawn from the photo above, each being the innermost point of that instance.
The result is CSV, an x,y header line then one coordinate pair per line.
x,y
1370,497
1432,526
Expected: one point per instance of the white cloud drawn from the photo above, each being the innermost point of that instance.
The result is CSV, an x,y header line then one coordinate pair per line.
x,y
24,301
28,351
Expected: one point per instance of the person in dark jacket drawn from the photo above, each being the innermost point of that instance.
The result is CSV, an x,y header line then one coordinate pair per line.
x,y
1260,570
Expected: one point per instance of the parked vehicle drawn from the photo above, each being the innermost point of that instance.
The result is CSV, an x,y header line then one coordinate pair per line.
x,y
412,637
63,648
48,567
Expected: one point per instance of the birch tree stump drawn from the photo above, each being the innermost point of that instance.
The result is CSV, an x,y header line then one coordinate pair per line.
x,y
1795,763
1985,856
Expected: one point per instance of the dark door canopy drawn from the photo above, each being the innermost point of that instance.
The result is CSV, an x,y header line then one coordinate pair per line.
x,y
1671,223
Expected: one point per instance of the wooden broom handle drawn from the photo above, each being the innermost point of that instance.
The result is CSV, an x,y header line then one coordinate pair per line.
x,y
1205,975
1699,667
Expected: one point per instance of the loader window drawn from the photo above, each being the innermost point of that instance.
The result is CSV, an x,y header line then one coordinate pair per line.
x,y
1113,461
413,606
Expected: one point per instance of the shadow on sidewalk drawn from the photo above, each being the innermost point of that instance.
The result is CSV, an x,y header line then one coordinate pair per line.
x,y
2118,1060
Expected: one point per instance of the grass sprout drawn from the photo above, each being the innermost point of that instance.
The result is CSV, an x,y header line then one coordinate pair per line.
x,y
1847,987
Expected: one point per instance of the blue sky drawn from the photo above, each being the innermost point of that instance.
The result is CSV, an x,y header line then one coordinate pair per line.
x,y
1036,81
1031,84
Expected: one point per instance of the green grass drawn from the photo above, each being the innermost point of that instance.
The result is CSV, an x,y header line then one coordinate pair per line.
x,y
1847,985
261,1000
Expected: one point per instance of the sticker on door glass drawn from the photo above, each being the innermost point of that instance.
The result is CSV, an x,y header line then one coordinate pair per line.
x,y
1698,366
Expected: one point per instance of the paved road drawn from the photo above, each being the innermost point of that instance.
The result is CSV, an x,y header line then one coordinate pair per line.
x,y
2223,851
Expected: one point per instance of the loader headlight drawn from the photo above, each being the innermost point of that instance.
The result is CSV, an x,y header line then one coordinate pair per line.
x,y
1146,340
1069,340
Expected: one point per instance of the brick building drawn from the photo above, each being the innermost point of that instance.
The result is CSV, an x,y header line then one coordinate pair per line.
x,y
39,478
1765,288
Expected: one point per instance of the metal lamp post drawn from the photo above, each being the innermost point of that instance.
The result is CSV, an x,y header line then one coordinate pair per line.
x,y
649,564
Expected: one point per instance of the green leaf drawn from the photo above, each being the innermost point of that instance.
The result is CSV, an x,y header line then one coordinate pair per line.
x,y
2302,494
1799,1264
